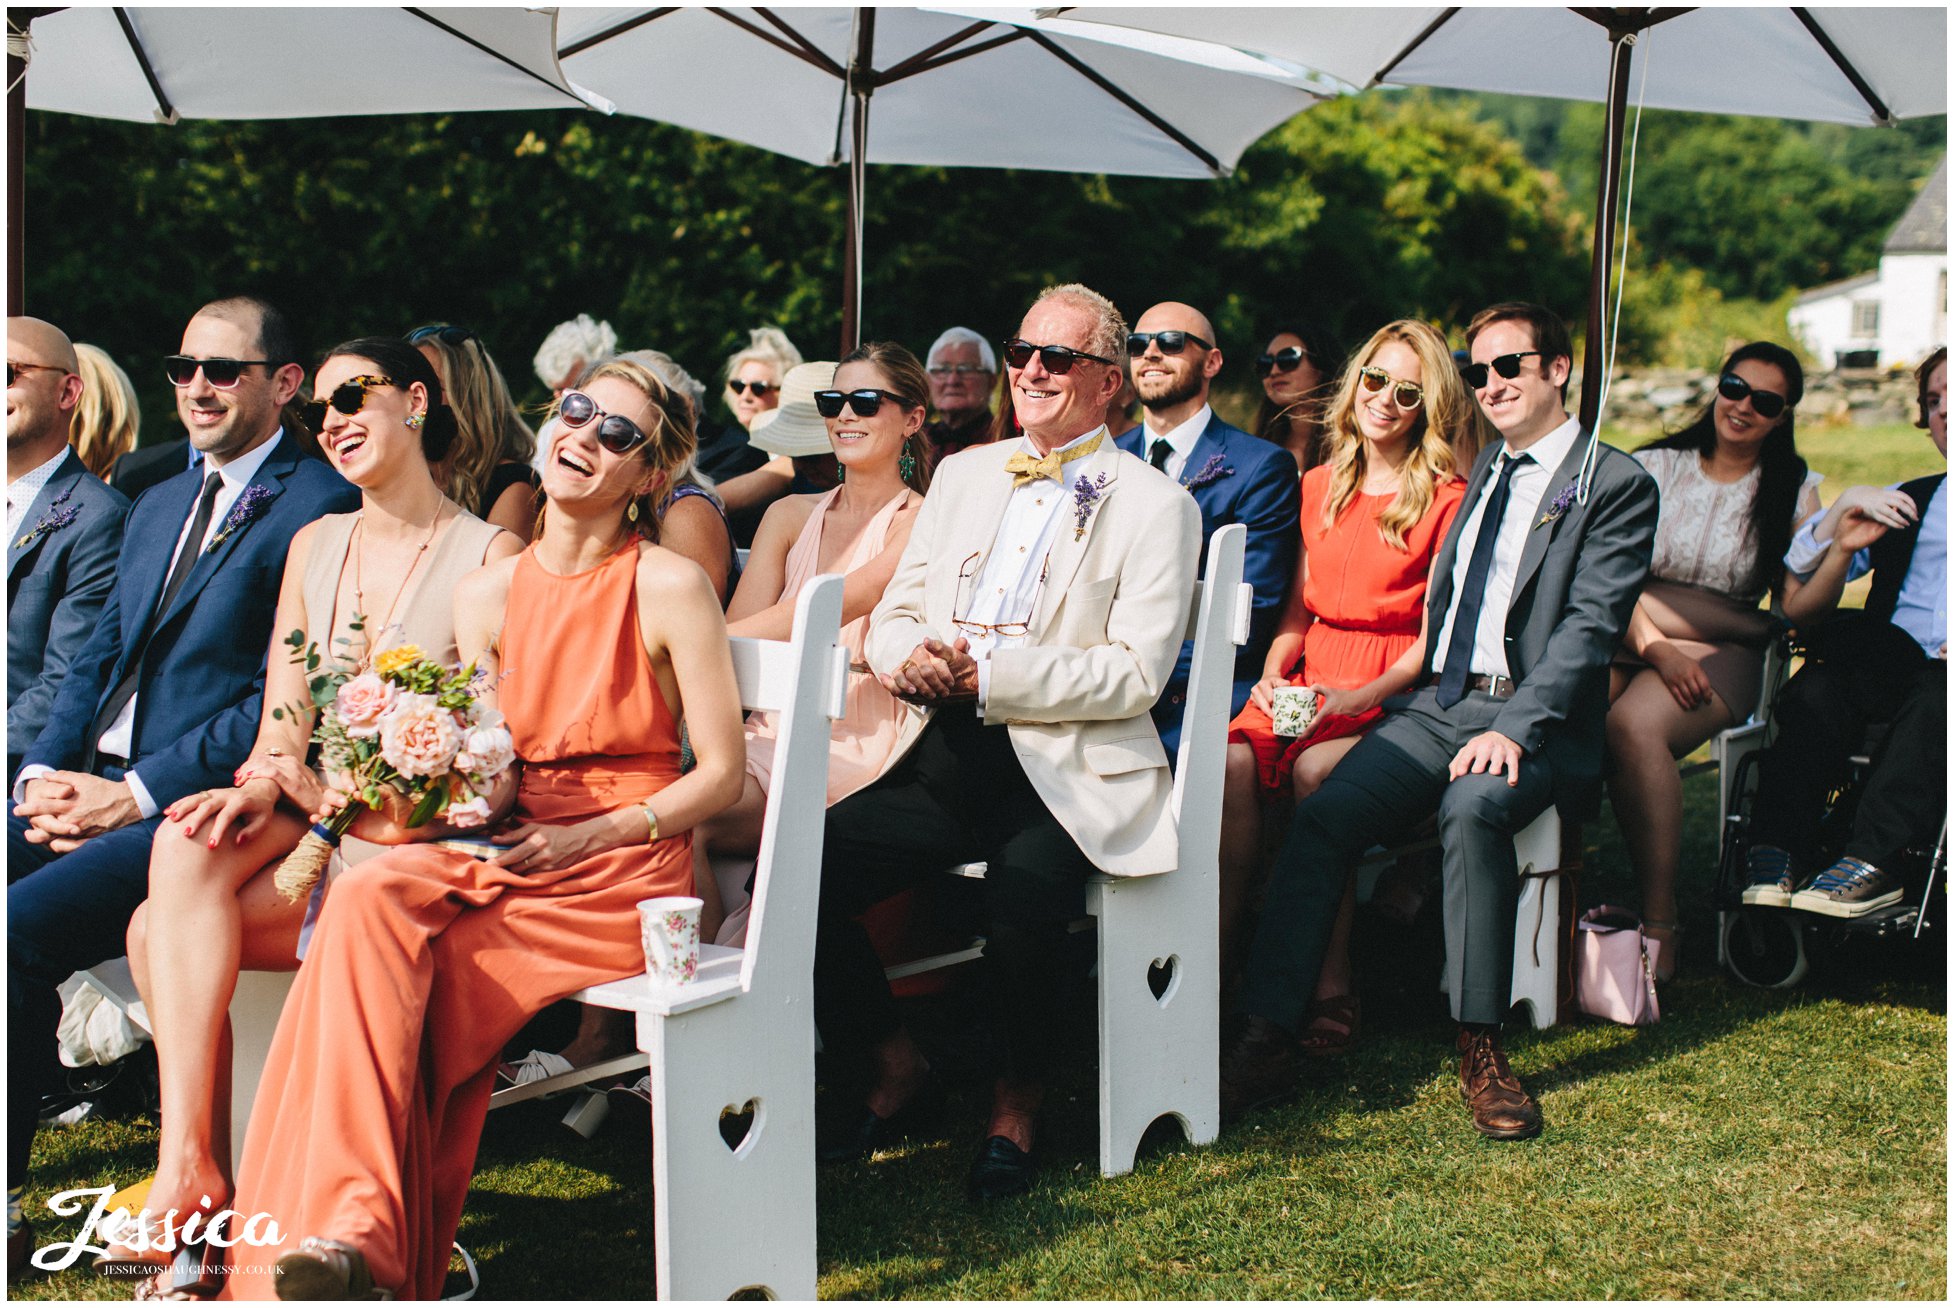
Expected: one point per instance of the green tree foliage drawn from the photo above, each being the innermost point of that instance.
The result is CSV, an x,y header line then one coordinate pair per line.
x,y
1357,212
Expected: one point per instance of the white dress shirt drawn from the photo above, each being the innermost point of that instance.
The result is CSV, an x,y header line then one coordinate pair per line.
x,y
1010,578
119,738
1182,439
1921,609
1529,487
24,489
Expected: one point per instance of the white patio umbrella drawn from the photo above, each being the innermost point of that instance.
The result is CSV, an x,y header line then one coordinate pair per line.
x,y
965,90
162,64
1847,65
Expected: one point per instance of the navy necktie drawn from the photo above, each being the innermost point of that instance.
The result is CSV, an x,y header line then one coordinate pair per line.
x,y
1465,623
1157,456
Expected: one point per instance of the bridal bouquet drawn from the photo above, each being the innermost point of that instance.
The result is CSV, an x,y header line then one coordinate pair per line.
x,y
406,726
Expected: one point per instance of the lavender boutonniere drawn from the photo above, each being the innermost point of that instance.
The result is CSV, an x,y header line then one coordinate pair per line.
x,y
1213,470
249,505
1085,498
1558,507
53,520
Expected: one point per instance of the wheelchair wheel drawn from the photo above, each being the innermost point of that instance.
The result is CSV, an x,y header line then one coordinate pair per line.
x,y
1766,949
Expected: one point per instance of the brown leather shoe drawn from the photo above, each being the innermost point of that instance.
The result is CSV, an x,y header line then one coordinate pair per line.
x,y
1259,1064
1501,1107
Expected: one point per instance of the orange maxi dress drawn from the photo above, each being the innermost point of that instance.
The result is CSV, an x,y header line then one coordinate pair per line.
x,y
1367,600
426,961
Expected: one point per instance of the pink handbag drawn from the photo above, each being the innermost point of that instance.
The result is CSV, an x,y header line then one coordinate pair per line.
x,y
1614,967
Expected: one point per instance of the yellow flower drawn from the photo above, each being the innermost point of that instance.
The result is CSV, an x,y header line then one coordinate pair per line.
x,y
394,660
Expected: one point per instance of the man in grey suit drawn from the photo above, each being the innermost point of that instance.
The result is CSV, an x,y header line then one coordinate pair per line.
x,y
64,529
1529,599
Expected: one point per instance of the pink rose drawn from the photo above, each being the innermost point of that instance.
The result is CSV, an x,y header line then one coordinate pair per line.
x,y
470,812
418,738
361,702
486,751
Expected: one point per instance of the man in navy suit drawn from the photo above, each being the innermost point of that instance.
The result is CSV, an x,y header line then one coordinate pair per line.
x,y
1233,477
64,529
163,700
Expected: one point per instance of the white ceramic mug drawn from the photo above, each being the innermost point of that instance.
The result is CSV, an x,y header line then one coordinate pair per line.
x,y
670,929
1295,710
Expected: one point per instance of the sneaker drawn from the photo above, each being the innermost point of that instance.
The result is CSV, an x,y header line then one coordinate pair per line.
x,y
1850,887
1768,876
637,1093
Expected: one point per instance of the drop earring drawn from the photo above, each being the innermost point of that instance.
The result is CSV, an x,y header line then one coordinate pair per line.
x,y
631,514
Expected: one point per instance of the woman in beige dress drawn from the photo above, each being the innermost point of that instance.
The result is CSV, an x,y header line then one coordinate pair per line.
x,y
212,910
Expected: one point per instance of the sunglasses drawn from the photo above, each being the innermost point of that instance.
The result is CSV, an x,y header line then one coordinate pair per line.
x,y
1056,358
1287,360
221,373
15,369
1409,395
866,403
759,388
1769,404
349,397
1171,342
618,435
446,333
957,369
1506,365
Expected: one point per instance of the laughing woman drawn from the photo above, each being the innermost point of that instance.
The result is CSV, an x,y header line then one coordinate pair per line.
x,y
212,909
426,960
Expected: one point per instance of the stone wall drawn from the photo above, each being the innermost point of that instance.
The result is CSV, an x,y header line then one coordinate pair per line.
x,y
1651,400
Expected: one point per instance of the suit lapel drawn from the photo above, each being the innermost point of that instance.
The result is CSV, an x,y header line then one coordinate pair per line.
x,y
1071,540
1205,448
271,476
979,512
66,474
1539,535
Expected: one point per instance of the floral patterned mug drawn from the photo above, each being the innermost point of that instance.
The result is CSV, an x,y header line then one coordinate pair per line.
x,y
670,928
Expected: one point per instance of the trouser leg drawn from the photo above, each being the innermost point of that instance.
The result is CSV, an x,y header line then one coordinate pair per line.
x,y
1819,724
1477,818
1905,795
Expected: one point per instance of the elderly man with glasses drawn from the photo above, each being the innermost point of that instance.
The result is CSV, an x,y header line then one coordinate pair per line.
x,y
162,700
963,369
1033,620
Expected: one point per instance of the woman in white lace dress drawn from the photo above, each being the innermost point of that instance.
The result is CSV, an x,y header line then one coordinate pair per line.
x,y
1733,492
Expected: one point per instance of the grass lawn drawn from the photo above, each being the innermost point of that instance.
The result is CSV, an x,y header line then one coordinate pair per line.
x,y
1754,1145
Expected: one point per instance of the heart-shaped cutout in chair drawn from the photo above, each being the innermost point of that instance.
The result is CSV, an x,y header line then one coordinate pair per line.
x,y
1163,978
739,1127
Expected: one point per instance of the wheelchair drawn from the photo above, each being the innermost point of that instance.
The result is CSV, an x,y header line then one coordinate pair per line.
x,y
1775,948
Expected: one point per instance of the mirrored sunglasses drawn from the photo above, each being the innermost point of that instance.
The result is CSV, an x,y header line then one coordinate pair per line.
x,y
618,435
1409,395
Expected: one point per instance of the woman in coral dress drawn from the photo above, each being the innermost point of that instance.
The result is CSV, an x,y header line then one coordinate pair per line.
x,y
1373,517
426,959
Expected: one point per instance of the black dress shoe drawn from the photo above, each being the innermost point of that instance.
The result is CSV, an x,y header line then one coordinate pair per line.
x,y
843,1138
1260,1064
1001,1170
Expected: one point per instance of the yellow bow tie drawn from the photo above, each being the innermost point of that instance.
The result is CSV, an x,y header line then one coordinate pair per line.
x,y
1024,469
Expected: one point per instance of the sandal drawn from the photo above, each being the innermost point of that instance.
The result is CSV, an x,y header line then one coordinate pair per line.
x,y
326,1269
1343,1015
1667,941
536,1065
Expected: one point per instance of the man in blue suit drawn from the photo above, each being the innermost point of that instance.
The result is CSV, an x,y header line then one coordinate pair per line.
x,y
64,529
1233,477
163,700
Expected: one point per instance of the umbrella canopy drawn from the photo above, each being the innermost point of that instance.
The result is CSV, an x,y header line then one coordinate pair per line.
x,y
1857,65
965,89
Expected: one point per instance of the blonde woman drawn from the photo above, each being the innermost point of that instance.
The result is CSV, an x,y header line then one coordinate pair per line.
x,y
488,470
107,419
1374,514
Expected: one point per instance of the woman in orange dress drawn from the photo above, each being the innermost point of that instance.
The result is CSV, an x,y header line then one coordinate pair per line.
x,y
427,959
1374,514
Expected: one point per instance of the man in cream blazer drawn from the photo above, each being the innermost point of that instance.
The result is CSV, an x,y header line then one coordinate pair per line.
x,y
1031,624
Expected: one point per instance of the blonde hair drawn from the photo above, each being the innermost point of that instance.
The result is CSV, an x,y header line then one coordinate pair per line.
x,y
1108,326
768,345
489,427
1447,420
107,418
669,448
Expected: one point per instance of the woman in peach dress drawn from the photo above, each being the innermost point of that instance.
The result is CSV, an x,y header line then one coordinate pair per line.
x,y
874,416
427,959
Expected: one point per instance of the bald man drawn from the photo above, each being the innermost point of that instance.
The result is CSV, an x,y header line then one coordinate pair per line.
x,y
64,529
1233,477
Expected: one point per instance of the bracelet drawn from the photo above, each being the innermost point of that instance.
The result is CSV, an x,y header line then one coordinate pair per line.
x,y
651,821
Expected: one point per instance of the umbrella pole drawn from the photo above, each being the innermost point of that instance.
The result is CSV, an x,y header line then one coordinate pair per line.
x,y
851,254
1606,205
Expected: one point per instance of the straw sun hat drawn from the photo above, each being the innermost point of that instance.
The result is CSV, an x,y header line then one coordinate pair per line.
x,y
794,428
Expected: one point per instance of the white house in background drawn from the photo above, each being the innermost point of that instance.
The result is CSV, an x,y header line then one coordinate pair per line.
x,y
1894,316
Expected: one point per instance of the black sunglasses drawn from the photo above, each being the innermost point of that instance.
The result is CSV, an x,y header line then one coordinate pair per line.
x,y
618,435
15,369
221,373
1170,342
866,402
1056,358
1285,360
1769,404
446,333
759,388
1506,365
349,397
